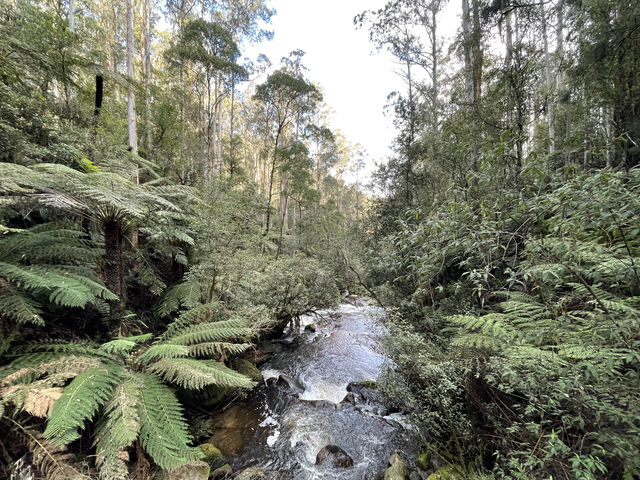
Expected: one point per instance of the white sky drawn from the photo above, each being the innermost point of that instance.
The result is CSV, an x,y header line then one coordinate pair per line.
x,y
355,81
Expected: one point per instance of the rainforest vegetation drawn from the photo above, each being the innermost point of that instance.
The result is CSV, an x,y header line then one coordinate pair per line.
x,y
167,206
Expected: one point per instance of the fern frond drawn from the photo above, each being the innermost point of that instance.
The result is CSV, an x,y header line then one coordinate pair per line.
x,y
39,402
201,313
196,374
186,294
16,306
80,401
210,332
163,350
217,348
71,365
52,462
164,433
125,345
119,427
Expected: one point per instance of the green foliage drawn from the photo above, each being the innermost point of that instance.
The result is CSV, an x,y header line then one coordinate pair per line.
x,y
291,287
541,353
123,383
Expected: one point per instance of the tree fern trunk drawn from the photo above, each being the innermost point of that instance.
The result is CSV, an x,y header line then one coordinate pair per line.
x,y
113,268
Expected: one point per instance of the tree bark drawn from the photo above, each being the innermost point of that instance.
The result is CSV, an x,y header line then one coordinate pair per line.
x,y
147,74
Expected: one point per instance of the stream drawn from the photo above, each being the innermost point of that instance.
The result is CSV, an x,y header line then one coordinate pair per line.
x,y
301,406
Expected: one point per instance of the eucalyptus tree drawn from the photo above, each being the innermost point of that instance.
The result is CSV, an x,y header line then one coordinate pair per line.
x,y
210,49
284,97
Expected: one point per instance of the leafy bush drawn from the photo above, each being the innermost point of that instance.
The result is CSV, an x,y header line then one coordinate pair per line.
x,y
291,287
527,331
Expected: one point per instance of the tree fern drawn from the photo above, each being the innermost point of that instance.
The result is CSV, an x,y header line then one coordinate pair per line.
x,y
196,374
119,427
163,431
80,401
210,332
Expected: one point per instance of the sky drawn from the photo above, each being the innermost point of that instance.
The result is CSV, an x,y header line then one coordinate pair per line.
x,y
355,79
355,82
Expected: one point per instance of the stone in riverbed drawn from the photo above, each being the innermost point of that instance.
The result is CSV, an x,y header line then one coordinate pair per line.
x,y
233,427
212,455
247,368
291,383
222,473
334,456
396,471
190,471
252,473
448,472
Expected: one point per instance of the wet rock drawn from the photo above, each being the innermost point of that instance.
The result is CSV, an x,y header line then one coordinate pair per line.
x,y
191,471
233,427
396,471
222,473
334,456
212,455
349,398
290,383
252,473
320,403
448,472
249,369
415,476
310,328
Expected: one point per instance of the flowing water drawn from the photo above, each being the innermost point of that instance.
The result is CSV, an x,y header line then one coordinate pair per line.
x,y
300,408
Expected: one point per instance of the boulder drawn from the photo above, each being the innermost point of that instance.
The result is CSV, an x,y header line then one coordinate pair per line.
x,y
212,455
232,427
191,471
290,383
247,368
224,472
415,476
252,473
448,472
310,328
334,456
396,471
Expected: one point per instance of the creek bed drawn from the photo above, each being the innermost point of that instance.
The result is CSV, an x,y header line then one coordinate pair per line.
x,y
300,409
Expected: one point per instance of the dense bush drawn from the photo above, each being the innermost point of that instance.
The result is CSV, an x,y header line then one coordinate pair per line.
x,y
527,328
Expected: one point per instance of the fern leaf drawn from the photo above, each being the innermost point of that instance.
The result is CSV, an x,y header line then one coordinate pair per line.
x,y
119,427
80,402
163,430
196,374
164,350
126,344
211,332
217,348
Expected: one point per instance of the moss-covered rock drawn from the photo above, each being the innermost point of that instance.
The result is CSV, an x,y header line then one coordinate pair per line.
x,y
448,472
424,459
396,471
212,455
252,473
191,471
247,368
222,473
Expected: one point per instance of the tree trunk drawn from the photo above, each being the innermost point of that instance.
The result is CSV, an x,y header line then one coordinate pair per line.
x,y
72,16
131,112
550,103
113,267
147,74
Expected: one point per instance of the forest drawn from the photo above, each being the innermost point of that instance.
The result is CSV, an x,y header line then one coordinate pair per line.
x,y
169,208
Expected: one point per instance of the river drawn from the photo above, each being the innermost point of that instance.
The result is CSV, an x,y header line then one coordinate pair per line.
x,y
300,409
